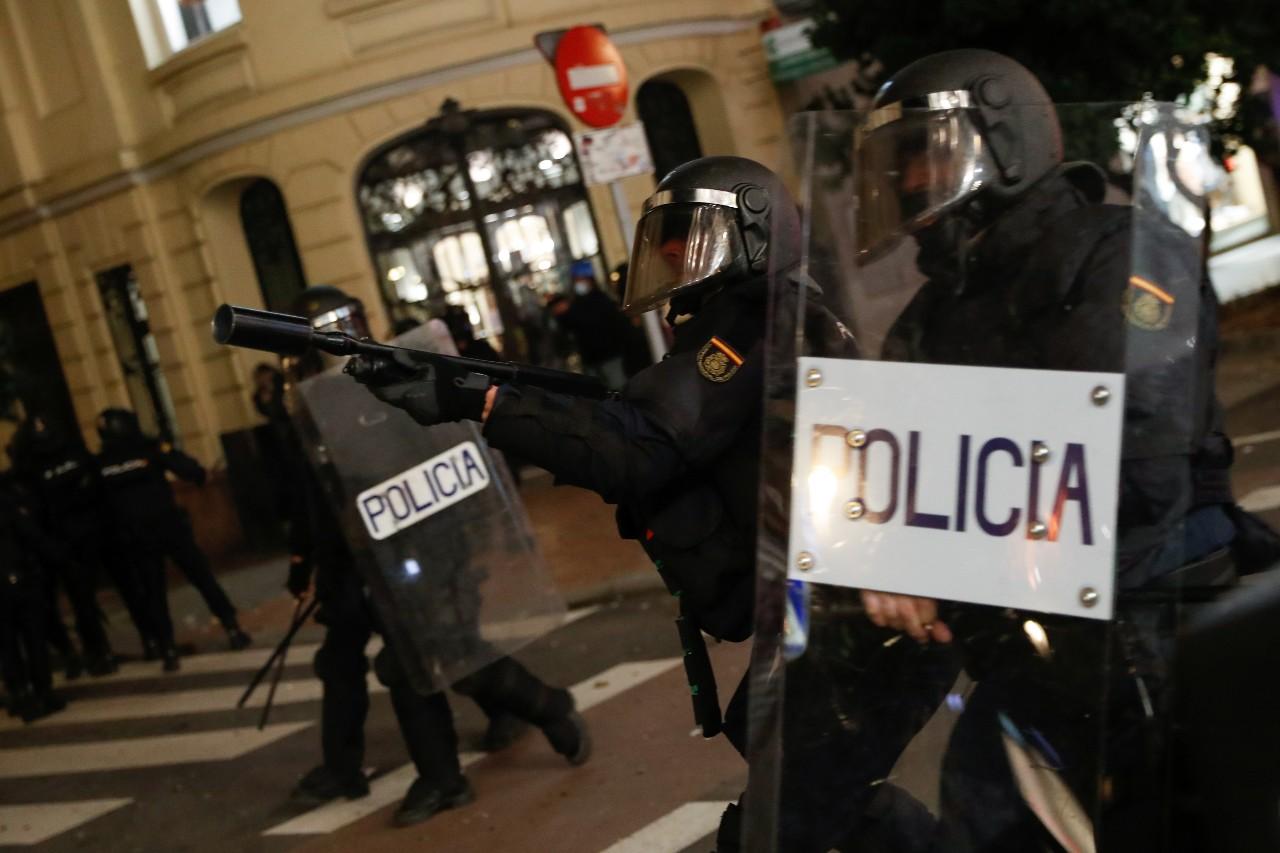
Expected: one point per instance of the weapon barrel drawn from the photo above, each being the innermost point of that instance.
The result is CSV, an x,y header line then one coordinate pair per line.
x,y
268,331
285,334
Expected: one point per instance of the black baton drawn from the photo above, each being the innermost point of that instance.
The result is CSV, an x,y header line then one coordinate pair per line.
x,y
298,622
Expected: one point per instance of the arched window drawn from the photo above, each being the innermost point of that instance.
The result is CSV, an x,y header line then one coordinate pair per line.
x,y
481,209
668,125
271,246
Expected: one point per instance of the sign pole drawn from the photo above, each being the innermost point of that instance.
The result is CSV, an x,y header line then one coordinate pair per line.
x,y
652,322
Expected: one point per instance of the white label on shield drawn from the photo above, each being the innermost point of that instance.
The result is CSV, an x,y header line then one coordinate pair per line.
x,y
423,490
987,485
592,76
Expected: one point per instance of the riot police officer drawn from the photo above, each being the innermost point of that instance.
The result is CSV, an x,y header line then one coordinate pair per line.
x,y
1026,267
151,526
507,692
59,473
679,449
25,552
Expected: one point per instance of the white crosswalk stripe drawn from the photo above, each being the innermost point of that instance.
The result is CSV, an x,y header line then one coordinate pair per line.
x,y
142,706
131,753
35,823
673,831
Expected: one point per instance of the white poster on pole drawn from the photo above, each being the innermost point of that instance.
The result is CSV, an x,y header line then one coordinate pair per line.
x,y
613,153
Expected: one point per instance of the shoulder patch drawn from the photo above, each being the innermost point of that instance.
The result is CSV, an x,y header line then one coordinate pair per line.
x,y
717,361
1147,305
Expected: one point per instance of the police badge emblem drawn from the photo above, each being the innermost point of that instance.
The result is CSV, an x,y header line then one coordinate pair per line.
x,y
718,361
1147,306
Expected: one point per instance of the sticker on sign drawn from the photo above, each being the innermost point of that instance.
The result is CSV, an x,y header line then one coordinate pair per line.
x,y
614,153
593,76
423,490
987,485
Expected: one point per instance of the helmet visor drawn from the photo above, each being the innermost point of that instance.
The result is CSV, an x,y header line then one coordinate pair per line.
x,y
678,246
910,167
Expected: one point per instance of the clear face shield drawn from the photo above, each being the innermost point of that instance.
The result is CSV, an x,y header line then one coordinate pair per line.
x,y
911,165
683,239
349,319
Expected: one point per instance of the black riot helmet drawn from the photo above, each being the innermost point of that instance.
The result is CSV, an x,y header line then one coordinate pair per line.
x,y
711,223
962,133
329,310
39,437
119,426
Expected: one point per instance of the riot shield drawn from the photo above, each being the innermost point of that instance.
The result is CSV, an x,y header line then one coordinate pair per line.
x,y
435,526
975,540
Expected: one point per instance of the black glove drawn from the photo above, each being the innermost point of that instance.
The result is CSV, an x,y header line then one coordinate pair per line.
x,y
299,580
430,393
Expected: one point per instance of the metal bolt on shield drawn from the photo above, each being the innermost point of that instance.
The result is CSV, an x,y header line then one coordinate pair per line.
x,y
813,378
804,561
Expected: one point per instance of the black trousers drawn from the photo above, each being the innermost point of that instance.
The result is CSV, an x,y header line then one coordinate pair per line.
x,y
425,719
79,578
24,656
170,536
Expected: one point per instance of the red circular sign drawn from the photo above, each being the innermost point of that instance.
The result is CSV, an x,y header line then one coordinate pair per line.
x,y
592,78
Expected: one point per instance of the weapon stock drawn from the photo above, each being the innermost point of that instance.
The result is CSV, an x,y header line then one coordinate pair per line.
x,y
286,334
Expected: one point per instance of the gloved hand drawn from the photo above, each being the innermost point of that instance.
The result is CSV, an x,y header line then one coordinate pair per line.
x,y
299,580
430,393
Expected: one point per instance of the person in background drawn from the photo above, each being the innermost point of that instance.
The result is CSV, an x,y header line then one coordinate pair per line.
x,y
151,525
635,350
464,335
597,325
58,473
24,658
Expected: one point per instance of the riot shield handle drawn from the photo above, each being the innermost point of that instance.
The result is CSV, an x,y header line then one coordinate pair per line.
x,y
287,334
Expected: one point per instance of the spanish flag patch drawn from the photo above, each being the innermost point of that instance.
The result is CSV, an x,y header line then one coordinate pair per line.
x,y
1147,305
718,361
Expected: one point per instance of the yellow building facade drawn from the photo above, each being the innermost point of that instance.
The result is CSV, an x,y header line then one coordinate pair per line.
x,y
124,159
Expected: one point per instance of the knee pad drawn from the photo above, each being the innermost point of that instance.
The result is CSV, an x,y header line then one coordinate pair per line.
x,y
389,670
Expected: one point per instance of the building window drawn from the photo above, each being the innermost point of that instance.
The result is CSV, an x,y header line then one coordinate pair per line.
x,y
271,245
668,125
484,210
168,26
129,323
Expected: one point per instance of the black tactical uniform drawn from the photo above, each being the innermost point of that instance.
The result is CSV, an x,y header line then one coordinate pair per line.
x,y
24,658
61,475
505,690
150,525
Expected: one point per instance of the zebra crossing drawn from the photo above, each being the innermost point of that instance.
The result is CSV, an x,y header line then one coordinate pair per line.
x,y
142,695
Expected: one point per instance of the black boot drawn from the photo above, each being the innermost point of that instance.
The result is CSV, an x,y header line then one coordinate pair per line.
x,y
150,649
237,638
568,735
101,663
171,661
321,785
73,666
425,799
504,730
37,706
